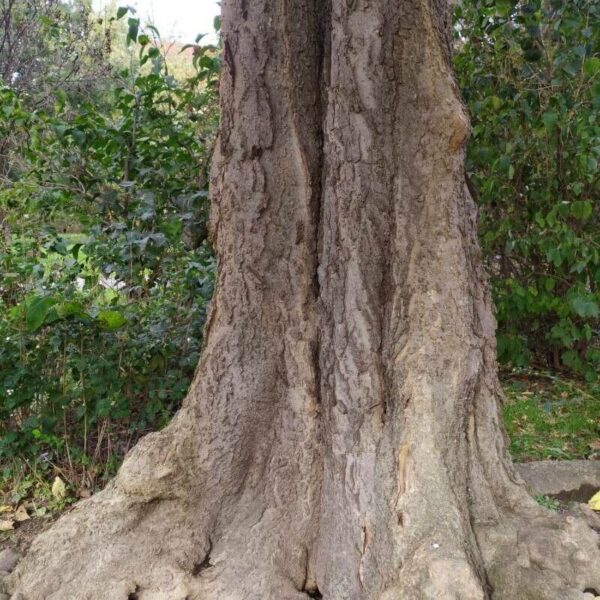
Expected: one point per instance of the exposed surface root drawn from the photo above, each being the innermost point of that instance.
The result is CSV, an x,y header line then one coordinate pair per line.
x,y
540,556
138,552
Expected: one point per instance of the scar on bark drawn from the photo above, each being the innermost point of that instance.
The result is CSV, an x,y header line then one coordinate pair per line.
x,y
459,126
403,468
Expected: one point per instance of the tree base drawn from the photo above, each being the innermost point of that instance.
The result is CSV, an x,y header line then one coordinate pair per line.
x,y
153,536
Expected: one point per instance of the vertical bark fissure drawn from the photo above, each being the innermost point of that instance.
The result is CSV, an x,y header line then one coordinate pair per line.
x,y
323,10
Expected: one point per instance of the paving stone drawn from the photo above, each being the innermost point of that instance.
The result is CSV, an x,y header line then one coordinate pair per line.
x,y
572,480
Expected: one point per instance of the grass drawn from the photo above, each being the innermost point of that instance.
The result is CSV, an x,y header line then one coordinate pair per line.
x,y
551,418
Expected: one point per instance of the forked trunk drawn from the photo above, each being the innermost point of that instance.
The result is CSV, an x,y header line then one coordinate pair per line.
x,y
342,437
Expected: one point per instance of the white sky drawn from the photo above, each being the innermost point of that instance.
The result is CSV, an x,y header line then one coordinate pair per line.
x,y
180,19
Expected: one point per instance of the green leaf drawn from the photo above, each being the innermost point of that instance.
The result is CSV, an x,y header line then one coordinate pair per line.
x,y
68,309
111,319
36,312
591,66
153,29
495,102
122,11
75,250
503,7
550,119
572,68
132,31
584,307
582,210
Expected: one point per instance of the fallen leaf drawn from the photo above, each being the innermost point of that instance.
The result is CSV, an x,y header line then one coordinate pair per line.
x,y
594,502
21,514
5,508
6,525
59,490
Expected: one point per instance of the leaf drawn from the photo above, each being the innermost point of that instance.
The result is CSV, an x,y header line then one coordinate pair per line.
x,y
69,308
585,307
132,31
59,490
550,119
503,7
153,29
4,508
582,210
496,102
572,68
6,524
75,250
36,312
594,502
591,66
21,514
111,319
122,11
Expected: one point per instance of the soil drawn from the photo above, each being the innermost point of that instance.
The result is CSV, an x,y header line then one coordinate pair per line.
x,y
24,533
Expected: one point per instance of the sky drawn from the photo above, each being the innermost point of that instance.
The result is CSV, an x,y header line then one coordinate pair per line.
x,y
180,19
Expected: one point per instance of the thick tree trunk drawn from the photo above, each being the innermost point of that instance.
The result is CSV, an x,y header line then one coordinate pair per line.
x,y
342,437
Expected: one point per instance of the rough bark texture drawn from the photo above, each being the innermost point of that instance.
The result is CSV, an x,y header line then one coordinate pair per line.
x,y
342,436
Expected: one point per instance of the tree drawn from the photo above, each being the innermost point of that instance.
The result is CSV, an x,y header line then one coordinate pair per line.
x,y
50,44
48,48
342,437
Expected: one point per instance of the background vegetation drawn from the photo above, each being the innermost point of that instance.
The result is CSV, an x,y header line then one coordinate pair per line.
x,y
530,74
106,133
105,271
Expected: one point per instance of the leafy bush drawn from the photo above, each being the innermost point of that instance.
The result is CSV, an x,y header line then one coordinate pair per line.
x,y
106,271
530,73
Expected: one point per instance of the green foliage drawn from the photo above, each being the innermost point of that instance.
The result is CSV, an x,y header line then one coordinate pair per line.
x,y
45,44
106,271
548,502
530,73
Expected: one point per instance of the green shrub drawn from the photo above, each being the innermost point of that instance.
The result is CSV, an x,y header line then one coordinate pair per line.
x,y
106,269
530,74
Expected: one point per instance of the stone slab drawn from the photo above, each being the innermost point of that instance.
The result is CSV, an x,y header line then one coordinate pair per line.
x,y
572,480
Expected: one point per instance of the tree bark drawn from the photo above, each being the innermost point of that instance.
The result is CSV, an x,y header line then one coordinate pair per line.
x,y
342,437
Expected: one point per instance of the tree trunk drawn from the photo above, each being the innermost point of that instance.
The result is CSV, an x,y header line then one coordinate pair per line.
x,y
342,437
